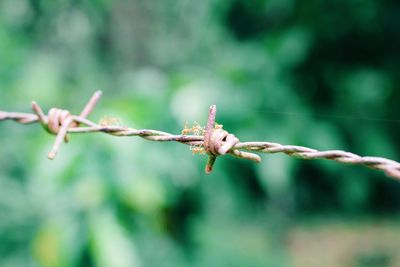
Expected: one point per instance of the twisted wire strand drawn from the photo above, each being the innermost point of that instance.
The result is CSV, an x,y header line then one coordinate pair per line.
x,y
215,141
92,127
390,167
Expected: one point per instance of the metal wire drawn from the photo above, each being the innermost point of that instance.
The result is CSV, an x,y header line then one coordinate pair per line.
x,y
215,141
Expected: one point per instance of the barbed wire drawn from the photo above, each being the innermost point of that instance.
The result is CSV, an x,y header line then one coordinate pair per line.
x,y
213,140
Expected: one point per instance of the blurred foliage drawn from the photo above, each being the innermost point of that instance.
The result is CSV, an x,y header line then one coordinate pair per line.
x,y
324,74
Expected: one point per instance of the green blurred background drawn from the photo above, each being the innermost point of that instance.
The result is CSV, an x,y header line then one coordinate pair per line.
x,y
323,74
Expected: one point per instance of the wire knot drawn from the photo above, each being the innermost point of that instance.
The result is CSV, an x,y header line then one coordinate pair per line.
x,y
219,142
57,118
59,121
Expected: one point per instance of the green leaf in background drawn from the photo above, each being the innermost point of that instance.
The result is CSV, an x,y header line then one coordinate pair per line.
x,y
323,74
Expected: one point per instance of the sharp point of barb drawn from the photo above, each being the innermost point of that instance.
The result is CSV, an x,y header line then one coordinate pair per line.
x,y
210,164
34,105
97,95
39,112
51,155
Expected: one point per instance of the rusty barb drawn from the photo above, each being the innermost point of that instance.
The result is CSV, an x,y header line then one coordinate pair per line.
x,y
218,142
214,140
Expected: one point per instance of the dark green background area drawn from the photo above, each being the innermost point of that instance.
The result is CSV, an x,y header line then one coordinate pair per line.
x,y
322,74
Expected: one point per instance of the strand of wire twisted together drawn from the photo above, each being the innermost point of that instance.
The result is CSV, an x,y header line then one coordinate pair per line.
x,y
215,141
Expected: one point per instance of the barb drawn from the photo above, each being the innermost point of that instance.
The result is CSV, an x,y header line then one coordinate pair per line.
x,y
215,141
